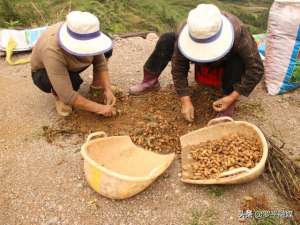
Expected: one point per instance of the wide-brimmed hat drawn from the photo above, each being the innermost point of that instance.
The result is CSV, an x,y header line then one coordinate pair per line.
x,y
80,35
207,36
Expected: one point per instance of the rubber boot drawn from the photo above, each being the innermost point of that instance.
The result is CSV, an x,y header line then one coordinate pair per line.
x,y
228,112
149,83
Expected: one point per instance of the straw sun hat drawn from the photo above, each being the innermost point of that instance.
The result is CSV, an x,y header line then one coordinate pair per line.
x,y
80,35
207,36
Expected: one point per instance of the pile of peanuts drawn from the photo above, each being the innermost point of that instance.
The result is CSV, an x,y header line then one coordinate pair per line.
x,y
211,158
160,136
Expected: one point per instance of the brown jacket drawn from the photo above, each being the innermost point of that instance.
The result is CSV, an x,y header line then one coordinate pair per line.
x,y
47,54
244,46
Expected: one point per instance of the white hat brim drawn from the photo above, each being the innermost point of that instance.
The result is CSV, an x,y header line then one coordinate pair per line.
x,y
91,47
205,52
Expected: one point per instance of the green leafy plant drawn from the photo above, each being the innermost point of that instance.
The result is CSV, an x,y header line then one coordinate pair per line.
x,y
121,16
12,23
216,191
205,217
268,221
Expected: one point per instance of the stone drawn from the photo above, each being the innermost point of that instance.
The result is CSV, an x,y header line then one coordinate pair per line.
x,y
52,221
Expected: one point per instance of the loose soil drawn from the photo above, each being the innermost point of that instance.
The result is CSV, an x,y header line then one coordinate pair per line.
x,y
153,120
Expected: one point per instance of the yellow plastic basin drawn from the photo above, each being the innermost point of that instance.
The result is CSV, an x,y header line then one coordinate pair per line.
x,y
116,168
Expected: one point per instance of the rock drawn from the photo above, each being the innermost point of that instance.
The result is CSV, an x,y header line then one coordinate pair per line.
x,y
152,37
242,220
206,203
52,221
60,208
248,198
123,133
79,185
119,112
166,175
152,124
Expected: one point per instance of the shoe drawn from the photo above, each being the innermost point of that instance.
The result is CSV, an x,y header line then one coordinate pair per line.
x,y
62,109
149,83
228,112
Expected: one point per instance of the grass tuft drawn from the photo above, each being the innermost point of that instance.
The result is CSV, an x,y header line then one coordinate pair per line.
x,y
206,217
216,191
122,16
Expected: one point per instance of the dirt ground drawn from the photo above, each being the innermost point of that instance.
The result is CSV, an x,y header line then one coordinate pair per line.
x,y
42,180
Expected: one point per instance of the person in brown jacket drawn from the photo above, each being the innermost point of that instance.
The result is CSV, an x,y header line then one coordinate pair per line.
x,y
65,50
223,51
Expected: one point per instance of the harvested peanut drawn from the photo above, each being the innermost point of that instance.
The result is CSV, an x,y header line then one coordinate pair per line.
x,y
211,158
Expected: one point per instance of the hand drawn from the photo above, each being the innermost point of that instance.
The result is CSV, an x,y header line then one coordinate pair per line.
x,y
106,110
223,103
109,98
187,108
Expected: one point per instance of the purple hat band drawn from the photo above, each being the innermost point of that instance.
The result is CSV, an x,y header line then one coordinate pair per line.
x,y
83,37
209,39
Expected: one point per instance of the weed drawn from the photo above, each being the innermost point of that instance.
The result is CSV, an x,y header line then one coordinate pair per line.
x,y
216,191
254,109
206,217
268,221
12,23
121,16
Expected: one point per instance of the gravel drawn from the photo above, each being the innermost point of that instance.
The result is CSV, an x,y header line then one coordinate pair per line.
x,y
31,176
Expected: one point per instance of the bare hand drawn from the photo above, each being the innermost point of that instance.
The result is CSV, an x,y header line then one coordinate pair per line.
x,y
107,110
109,98
187,108
223,103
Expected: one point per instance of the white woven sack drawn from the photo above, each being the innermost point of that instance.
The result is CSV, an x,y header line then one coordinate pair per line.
x,y
282,65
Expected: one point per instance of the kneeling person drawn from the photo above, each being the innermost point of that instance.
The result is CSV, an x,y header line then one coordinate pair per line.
x,y
223,51
65,50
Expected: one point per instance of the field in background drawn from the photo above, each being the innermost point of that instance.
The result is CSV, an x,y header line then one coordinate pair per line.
x,y
121,16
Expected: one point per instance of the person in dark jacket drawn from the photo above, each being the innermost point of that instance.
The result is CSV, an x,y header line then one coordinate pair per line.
x,y
223,51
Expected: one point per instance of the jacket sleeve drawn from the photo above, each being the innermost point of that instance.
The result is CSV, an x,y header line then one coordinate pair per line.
x,y
180,69
99,64
254,69
59,77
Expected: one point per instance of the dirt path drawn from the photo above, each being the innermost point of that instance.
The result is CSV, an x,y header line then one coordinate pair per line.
x,y
43,183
